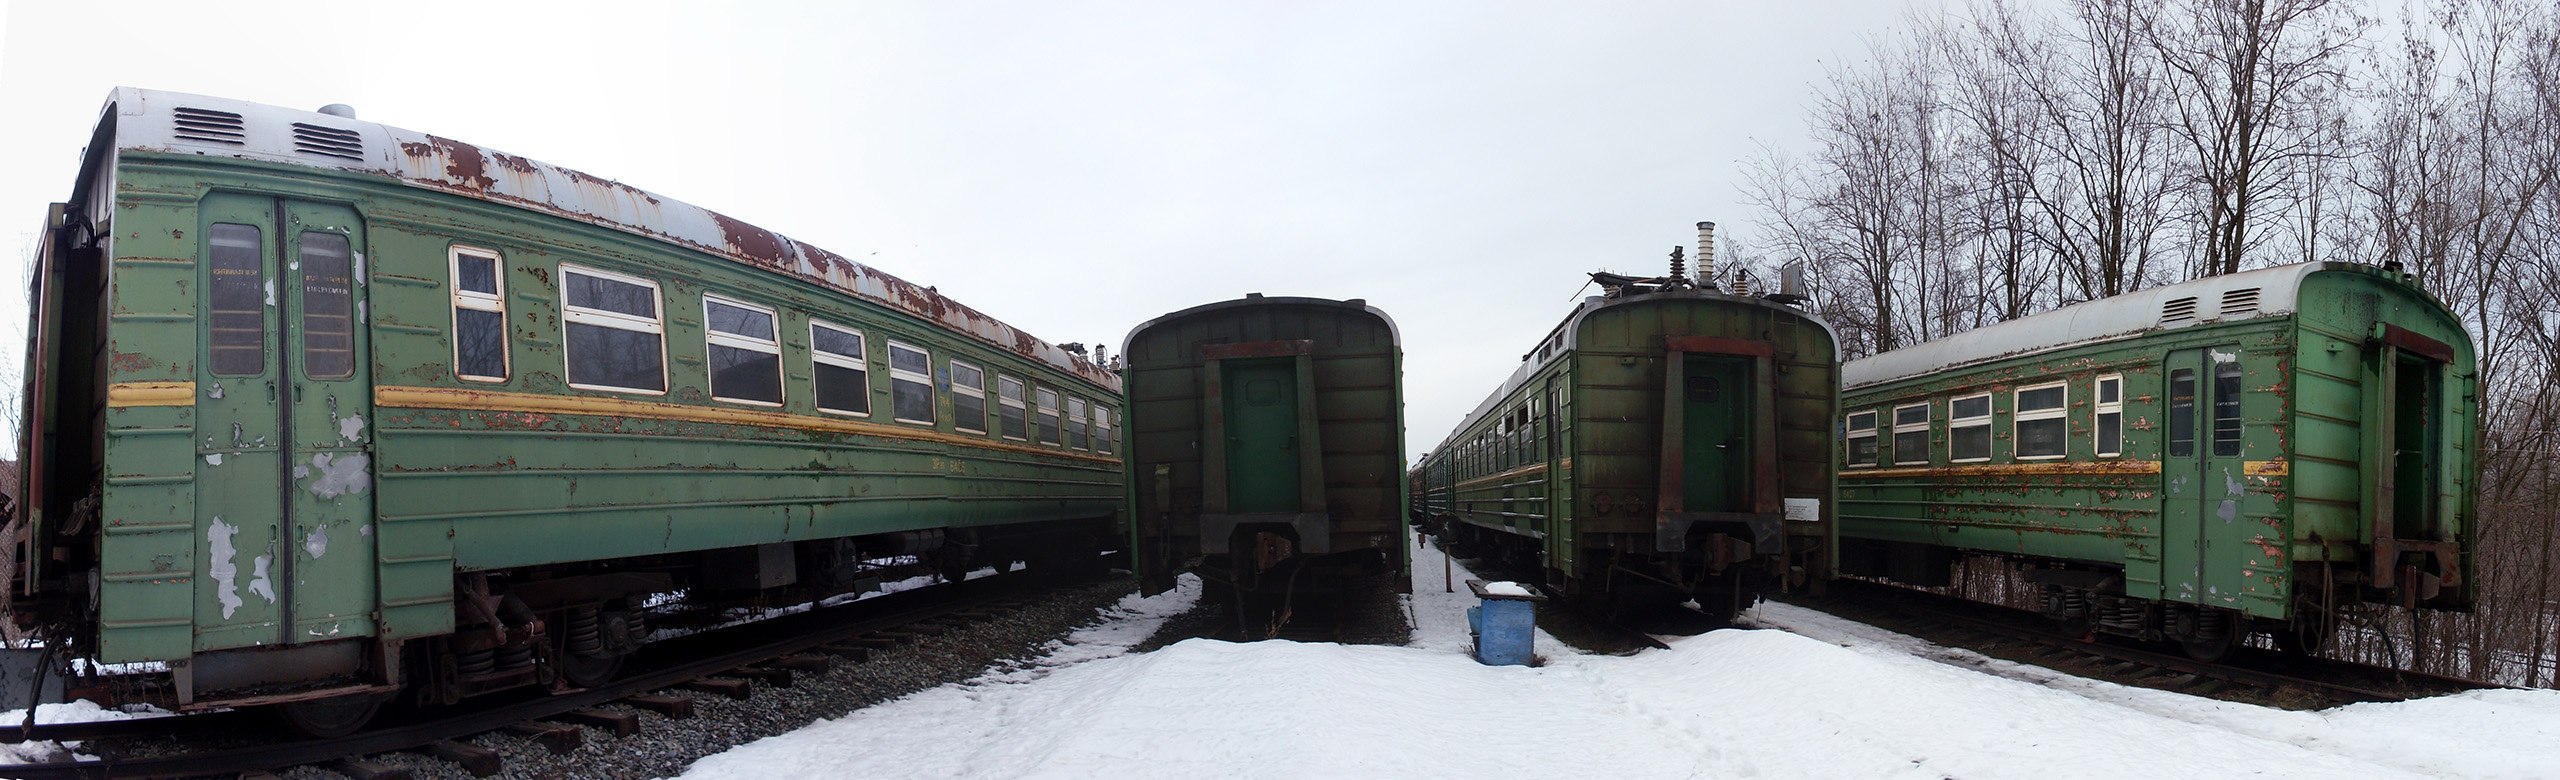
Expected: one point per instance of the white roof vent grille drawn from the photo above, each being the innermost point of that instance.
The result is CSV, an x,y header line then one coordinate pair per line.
x,y
2242,302
196,124
2179,311
328,141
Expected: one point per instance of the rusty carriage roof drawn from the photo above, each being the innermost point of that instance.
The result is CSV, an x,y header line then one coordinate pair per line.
x,y
179,123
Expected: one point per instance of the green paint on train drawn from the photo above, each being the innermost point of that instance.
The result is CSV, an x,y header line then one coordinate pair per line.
x,y
2255,451
1656,446
1267,452
311,395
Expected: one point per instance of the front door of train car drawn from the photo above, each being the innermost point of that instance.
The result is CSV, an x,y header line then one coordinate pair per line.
x,y
283,407
2201,476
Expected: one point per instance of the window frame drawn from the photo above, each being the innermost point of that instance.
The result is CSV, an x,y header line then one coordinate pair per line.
x,y
860,363
2100,407
1982,421
711,337
1038,408
581,315
2019,415
494,302
978,392
1021,400
897,375
1077,423
1102,428
1927,416
1850,435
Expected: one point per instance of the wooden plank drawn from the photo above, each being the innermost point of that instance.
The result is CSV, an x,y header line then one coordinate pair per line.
x,y
622,724
735,689
361,769
477,760
556,737
674,707
779,678
799,663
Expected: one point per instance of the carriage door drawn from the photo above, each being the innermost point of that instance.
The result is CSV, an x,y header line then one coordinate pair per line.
x,y
2201,477
1559,478
283,426
1716,427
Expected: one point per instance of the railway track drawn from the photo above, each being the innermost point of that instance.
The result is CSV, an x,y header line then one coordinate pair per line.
x,y
2250,674
664,678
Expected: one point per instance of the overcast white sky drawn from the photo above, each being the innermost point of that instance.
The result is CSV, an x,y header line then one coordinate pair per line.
x,y
1073,168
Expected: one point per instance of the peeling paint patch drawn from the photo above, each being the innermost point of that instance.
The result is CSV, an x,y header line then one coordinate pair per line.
x,y
361,278
351,428
258,582
365,530
317,543
337,475
214,391
226,573
213,459
271,292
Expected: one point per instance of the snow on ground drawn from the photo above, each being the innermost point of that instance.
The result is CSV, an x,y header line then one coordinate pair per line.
x,y
82,711
1809,696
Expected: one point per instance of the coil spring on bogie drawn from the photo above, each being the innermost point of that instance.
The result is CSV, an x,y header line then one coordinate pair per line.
x,y
476,662
2121,614
585,637
514,657
2075,605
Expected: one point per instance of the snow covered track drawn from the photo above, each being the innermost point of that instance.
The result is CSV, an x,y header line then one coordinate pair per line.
x,y
2247,675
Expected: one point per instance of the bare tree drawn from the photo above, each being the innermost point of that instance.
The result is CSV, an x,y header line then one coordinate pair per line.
x,y
2250,76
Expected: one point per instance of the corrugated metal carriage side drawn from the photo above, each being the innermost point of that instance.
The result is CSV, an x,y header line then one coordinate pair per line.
x,y
326,409
1656,447
2259,452
1266,447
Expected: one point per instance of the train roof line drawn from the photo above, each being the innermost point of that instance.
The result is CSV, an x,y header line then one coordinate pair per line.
x,y
180,123
1566,338
2259,293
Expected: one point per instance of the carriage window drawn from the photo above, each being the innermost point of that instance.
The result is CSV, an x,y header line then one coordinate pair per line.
x,y
1046,410
1969,428
237,296
968,398
1076,421
1011,423
479,316
328,307
742,344
2182,413
1101,428
1862,439
2226,407
910,384
843,380
2040,422
2110,419
613,331
1911,434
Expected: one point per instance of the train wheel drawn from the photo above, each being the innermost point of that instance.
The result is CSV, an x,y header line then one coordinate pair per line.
x,y
336,716
2210,636
591,651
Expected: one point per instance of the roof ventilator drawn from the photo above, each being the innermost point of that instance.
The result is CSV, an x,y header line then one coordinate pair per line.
x,y
328,141
2239,303
221,127
2179,311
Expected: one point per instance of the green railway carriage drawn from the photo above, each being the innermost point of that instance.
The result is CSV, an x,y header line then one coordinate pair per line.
x,y
2256,451
321,409
1659,445
1266,448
